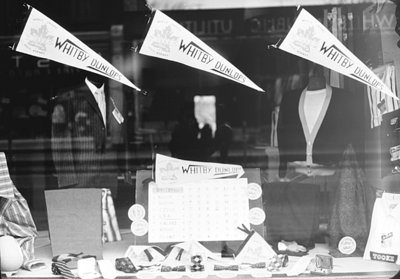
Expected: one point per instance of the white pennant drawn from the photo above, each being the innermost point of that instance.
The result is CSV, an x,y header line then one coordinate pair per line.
x,y
310,39
171,170
168,40
44,38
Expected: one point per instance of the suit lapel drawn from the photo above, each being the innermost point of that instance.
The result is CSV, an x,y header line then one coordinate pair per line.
x,y
92,101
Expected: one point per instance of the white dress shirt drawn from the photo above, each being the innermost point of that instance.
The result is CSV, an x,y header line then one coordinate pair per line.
x,y
313,103
99,96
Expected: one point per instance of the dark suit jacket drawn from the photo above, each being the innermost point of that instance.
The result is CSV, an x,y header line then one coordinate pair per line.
x,y
79,141
331,138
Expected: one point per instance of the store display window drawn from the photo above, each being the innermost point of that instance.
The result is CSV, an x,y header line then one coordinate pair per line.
x,y
199,139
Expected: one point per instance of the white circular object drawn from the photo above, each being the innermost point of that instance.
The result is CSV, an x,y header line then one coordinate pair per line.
x,y
347,245
254,191
256,216
11,257
139,227
136,212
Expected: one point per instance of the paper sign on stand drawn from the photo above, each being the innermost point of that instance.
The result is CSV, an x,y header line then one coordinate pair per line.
x,y
310,39
208,210
171,170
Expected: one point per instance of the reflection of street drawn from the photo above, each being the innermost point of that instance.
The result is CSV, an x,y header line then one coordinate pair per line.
x,y
146,136
31,166
33,156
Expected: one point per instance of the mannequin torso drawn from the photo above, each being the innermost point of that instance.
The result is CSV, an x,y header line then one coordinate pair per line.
x,y
313,103
314,126
79,142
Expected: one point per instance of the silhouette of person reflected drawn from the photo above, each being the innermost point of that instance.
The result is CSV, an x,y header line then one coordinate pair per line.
x,y
188,141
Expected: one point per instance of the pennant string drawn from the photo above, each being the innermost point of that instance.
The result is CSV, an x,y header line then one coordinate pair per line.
x,y
112,100
151,10
21,22
149,6
149,256
159,250
244,229
25,13
179,255
269,46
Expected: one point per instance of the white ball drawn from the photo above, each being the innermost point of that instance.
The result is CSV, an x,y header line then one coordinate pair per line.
x,y
11,257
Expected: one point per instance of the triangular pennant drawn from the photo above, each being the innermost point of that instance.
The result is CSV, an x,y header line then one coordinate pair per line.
x,y
167,39
143,254
311,40
44,38
192,248
171,170
254,249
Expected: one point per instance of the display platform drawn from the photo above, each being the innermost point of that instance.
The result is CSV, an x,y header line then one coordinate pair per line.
x,y
352,267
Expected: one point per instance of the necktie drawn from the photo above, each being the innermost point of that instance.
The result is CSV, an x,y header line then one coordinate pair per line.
x,y
234,267
179,268
64,264
101,101
125,265
60,268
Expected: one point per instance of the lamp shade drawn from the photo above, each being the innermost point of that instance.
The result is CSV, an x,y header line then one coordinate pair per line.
x,y
11,258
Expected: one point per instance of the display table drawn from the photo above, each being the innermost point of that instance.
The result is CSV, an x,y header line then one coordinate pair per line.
x,y
353,267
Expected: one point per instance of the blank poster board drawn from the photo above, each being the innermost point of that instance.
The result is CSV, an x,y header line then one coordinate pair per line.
x,y
75,221
143,178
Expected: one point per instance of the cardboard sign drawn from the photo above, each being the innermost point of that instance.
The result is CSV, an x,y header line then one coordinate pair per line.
x,y
75,221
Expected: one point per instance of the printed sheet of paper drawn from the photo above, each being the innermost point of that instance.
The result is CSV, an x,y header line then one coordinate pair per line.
x,y
209,210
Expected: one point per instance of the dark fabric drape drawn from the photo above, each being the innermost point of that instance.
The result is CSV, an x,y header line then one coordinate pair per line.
x,y
292,211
